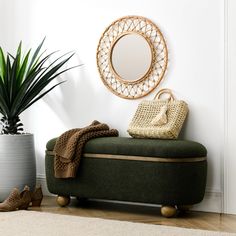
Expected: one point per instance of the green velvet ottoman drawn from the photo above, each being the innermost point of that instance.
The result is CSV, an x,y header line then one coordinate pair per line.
x,y
167,172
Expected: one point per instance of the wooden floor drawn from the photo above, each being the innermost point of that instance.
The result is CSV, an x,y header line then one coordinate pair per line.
x,y
144,214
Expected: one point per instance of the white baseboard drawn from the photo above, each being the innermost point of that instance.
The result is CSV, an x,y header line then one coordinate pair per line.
x,y
41,180
212,201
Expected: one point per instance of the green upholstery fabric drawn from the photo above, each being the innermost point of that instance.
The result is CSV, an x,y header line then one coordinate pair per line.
x,y
131,180
135,181
142,147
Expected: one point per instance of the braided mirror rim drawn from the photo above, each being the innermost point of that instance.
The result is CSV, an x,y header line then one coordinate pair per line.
x,y
142,86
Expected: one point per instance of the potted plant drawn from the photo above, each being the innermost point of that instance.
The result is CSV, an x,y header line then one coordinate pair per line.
x,y
23,81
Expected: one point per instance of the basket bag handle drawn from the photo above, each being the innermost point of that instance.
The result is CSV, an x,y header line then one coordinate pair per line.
x,y
165,91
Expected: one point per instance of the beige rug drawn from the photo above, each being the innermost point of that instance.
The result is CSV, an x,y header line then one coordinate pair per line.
x,y
29,223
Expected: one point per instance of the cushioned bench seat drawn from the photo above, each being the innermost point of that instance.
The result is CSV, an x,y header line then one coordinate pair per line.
x,y
166,172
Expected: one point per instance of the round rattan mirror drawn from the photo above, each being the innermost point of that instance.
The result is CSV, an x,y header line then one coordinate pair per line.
x,y
132,57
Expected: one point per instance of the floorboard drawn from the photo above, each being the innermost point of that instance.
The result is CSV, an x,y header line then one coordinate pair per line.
x,y
144,214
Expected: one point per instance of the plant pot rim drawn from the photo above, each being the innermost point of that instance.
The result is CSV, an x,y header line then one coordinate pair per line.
x,y
15,135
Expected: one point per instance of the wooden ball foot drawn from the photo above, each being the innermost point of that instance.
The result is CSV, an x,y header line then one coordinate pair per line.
x,y
63,200
168,211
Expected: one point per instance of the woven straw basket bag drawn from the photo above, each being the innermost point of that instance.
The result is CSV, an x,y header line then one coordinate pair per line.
x,y
159,118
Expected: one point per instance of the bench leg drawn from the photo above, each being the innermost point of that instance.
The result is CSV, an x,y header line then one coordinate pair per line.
x,y
63,200
168,211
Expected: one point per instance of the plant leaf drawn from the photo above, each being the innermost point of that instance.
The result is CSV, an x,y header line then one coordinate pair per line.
x,y
43,94
34,57
18,58
20,75
2,64
24,80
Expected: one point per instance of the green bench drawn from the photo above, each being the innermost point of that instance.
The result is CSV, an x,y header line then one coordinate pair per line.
x,y
171,173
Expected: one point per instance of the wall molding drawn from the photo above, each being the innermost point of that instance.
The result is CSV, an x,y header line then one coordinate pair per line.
x,y
225,163
229,161
212,201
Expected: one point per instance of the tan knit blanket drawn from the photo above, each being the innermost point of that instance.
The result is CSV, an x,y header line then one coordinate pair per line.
x,y
69,147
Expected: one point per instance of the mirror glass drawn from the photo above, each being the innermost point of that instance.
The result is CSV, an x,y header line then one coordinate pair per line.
x,y
131,57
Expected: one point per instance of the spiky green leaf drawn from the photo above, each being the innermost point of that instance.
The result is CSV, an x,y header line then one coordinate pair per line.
x,y
2,64
24,80
35,55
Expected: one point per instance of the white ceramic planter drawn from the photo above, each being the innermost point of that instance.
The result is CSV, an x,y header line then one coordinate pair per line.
x,y
17,163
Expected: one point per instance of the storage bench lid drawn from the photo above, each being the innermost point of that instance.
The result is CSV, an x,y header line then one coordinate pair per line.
x,y
141,147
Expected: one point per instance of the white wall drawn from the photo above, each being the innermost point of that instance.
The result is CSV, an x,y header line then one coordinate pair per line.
x,y
194,31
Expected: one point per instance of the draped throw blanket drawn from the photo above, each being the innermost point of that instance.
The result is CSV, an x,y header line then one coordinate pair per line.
x,y
69,147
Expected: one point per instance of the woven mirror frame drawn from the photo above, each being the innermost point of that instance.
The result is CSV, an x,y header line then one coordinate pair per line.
x,y
132,89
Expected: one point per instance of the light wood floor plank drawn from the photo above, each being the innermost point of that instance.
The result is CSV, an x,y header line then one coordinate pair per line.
x,y
144,214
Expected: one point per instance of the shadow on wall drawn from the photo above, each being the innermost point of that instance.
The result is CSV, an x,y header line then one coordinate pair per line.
x,y
191,124
77,102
